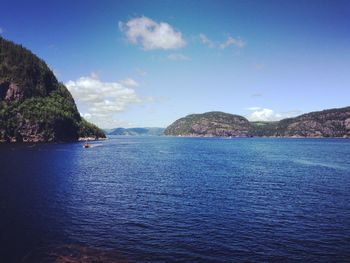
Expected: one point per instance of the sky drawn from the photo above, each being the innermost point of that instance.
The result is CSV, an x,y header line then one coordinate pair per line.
x,y
147,63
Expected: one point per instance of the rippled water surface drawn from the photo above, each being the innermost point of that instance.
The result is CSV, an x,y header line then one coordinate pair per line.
x,y
188,199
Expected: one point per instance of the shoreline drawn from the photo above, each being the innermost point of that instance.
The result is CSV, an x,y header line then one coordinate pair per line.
x,y
91,139
80,139
249,137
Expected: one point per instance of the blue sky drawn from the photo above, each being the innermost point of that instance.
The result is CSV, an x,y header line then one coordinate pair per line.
x,y
147,63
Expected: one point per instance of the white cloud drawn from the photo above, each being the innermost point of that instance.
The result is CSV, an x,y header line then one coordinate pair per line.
x,y
103,99
1,30
232,41
151,35
264,114
177,57
205,40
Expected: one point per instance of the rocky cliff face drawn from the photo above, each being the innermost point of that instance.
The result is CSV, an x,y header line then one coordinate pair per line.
x,y
327,123
210,124
34,106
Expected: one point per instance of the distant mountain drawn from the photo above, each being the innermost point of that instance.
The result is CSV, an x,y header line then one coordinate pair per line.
x,y
137,131
326,123
34,106
210,124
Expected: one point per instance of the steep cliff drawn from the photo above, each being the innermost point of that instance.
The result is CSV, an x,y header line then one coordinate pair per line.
x,y
34,106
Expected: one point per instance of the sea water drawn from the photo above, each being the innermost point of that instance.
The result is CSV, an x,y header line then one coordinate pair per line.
x,y
186,199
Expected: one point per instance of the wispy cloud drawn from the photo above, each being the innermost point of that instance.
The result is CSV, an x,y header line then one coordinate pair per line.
x,y
103,99
177,57
1,30
205,40
151,35
230,41
265,114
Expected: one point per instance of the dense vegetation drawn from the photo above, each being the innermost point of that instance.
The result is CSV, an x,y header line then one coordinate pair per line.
x,y
34,106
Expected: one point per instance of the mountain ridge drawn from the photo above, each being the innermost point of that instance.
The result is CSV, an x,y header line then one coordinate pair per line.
x,y
326,123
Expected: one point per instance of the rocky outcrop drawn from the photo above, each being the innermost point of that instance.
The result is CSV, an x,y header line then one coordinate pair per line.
x,y
10,91
347,124
210,124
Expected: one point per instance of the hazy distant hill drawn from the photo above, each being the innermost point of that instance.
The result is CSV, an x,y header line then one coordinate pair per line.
x,y
326,123
154,131
34,106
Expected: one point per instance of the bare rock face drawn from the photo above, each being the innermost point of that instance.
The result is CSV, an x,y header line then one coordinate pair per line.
x,y
347,124
14,93
210,124
9,91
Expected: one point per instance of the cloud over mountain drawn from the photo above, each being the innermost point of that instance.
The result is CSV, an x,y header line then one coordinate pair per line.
x,y
264,114
103,99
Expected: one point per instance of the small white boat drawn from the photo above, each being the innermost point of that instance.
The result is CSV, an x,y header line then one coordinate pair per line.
x,y
86,145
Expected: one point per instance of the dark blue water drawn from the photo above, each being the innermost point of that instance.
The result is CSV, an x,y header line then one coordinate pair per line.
x,y
187,199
